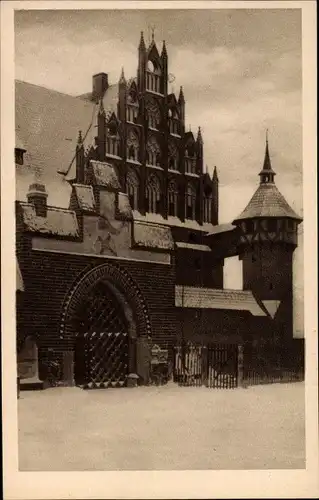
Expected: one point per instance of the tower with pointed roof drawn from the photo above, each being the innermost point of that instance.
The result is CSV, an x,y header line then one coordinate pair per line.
x,y
268,237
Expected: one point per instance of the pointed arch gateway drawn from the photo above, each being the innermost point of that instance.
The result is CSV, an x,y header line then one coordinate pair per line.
x,y
103,316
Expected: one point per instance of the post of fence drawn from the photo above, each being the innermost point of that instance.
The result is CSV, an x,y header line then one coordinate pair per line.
x,y
240,366
205,366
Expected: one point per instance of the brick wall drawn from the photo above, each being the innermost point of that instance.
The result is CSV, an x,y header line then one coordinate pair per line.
x,y
48,278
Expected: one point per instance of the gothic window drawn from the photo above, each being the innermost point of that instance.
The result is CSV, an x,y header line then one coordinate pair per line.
x,y
272,225
153,152
190,202
153,194
132,146
133,189
112,140
172,157
173,122
207,215
153,75
132,105
190,159
153,114
172,198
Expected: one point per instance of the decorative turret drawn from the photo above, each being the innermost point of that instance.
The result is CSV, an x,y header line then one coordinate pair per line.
x,y
215,197
268,238
101,128
79,160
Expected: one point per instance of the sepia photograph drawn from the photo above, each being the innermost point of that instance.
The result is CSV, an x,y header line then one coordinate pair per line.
x,y
159,239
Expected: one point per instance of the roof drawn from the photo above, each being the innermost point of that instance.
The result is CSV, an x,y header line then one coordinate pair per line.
x,y
58,222
221,228
152,236
172,221
47,124
85,197
104,175
210,298
267,202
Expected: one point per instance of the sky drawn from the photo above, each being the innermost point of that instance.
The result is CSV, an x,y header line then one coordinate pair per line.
x,y
240,70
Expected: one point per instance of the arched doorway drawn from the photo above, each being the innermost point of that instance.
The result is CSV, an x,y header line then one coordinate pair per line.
x,y
103,316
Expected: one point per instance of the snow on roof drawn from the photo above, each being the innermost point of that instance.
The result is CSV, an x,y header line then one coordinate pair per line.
x,y
172,221
152,236
209,298
85,197
58,221
221,228
105,175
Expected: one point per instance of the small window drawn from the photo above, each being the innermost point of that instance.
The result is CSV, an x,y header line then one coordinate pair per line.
x,y
19,156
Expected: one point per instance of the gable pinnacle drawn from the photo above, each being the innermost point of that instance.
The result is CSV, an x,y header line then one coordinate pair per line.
x,y
101,107
181,95
215,176
80,140
164,51
122,77
142,42
199,136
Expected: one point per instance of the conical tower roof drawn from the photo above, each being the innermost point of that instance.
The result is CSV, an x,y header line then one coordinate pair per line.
x,y
267,200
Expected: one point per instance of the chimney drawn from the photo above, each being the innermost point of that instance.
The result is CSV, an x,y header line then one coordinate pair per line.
x,y
37,196
100,86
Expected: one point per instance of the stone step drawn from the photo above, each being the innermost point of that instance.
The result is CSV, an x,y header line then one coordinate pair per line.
x,y
31,384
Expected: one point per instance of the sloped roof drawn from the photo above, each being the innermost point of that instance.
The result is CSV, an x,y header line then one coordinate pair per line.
x,y
268,202
85,197
153,236
47,124
221,228
209,298
58,222
105,175
173,221
193,246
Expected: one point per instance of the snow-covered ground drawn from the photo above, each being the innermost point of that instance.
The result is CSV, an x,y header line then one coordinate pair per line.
x,y
164,428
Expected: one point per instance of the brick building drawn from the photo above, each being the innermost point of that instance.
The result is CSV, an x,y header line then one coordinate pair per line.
x,y
117,227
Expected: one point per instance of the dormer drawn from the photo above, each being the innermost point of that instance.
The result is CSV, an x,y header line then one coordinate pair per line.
x,y
19,151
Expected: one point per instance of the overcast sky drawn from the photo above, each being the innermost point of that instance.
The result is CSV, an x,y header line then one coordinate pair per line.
x,y
240,70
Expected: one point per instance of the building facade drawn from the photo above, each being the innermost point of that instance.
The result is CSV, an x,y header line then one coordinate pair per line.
x,y
118,239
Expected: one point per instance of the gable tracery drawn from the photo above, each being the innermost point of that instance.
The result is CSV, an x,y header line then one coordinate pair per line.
x,y
173,156
133,189
153,150
153,113
190,202
132,103
112,137
153,194
172,198
132,146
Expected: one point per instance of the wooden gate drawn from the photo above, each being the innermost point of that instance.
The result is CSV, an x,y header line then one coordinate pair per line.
x,y
102,360
214,365
102,347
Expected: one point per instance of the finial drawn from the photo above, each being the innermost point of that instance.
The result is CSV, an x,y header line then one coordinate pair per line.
x,y
164,51
266,135
153,32
122,77
181,95
206,169
215,176
142,42
199,136
267,174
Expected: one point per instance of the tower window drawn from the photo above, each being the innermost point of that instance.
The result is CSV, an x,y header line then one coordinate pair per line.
x,y
19,156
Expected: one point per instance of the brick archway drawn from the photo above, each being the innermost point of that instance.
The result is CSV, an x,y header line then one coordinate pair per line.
x,y
126,292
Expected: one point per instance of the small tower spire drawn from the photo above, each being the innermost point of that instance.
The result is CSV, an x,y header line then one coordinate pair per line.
x,y
181,98
215,175
267,174
122,77
80,140
164,51
142,42
199,136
